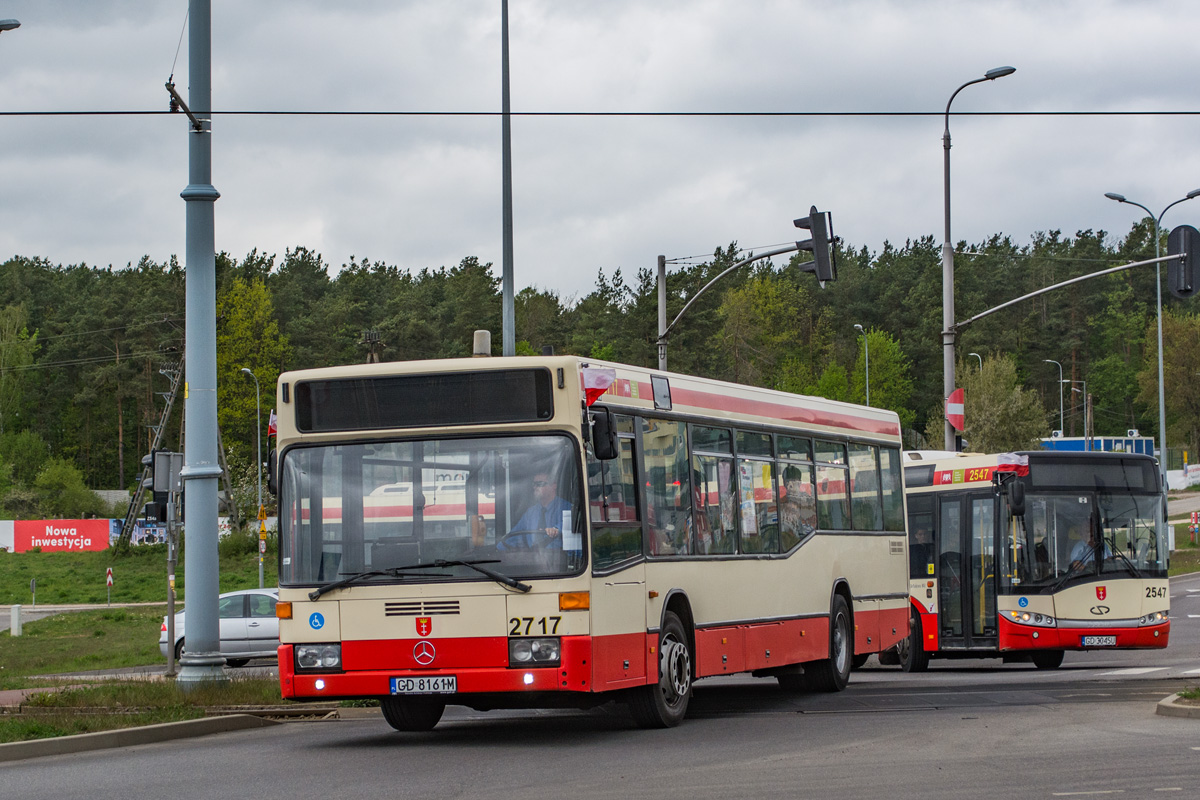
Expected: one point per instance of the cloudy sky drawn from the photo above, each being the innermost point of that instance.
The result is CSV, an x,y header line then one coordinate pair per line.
x,y
591,192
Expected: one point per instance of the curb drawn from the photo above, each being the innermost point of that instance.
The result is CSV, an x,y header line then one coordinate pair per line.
x,y
127,737
1173,707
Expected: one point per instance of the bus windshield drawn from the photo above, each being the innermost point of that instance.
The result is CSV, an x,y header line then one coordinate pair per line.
x,y
509,503
1081,534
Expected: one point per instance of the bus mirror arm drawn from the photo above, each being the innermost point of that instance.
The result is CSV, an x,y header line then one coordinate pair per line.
x,y
272,479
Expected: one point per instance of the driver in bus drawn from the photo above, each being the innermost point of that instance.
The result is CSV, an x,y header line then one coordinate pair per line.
x,y
543,519
1084,552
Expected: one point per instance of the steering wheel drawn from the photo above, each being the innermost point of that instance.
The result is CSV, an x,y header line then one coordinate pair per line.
x,y
524,540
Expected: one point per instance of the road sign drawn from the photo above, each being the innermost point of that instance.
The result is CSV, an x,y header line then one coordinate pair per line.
x,y
954,409
109,577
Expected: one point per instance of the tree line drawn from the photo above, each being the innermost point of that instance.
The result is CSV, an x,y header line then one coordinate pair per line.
x,y
83,349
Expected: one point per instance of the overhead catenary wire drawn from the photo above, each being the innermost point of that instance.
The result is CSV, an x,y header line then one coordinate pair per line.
x,y
428,113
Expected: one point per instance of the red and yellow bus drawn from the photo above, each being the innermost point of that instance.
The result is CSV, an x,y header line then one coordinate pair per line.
x,y
695,528
1028,555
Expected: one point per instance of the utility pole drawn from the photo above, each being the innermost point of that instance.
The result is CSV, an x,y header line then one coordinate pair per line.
x,y
203,663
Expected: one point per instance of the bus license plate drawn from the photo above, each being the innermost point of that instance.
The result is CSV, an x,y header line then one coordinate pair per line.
x,y
1099,641
441,684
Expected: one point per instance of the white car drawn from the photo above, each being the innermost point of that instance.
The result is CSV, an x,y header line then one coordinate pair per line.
x,y
248,626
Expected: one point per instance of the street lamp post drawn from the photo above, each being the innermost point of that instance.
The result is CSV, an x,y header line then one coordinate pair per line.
x,y
980,360
8,25
1162,403
258,470
948,331
1061,429
866,362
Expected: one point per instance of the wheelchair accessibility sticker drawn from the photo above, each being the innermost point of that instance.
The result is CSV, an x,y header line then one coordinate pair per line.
x,y
316,621
1023,602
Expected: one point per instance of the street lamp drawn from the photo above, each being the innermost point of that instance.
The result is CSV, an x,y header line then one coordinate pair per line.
x,y
8,25
1061,429
1083,393
1162,403
258,467
866,362
980,360
948,332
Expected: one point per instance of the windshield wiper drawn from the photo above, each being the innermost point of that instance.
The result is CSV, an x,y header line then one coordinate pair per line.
x,y
1128,563
395,572
1080,569
496,576
391,572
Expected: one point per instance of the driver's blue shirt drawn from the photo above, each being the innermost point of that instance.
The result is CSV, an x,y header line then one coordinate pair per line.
x,y
530,528
1084,552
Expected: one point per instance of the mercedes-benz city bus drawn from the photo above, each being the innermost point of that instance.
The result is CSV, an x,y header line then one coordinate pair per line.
x,y
1028,555
556,531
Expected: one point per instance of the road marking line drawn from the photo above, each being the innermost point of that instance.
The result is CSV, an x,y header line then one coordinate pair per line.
x,y
1192,672
1135,671
1099,791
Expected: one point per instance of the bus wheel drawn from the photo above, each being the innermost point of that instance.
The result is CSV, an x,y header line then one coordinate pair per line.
x,y
833,673
913,657
1047,659
411,715
664,704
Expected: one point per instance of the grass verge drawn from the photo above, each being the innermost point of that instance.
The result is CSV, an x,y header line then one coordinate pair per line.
x,y
85,641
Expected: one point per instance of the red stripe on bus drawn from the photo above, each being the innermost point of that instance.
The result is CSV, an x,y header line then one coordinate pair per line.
x,y
766,408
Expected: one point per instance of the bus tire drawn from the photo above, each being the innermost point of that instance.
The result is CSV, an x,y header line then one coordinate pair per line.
x,y
913,657
409,715
833,673
1048,659
664,704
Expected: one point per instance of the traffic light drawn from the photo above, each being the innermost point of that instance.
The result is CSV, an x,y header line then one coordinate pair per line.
x,y
164,478
820,245
156,509
1183,275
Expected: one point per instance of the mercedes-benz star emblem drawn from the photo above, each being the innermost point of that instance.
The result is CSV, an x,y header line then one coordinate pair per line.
x,y
424,653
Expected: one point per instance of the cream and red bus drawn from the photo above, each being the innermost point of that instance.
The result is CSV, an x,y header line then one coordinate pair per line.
x,y
1027,555
698,528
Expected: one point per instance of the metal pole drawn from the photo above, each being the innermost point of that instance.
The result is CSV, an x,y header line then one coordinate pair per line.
x,y
258,470
866,362
508,312
1162,403
203,663
662,313
1060,396
948,330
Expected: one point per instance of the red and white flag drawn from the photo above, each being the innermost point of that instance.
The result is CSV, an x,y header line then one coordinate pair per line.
x,y
272,424
596,381
954,409
1011,462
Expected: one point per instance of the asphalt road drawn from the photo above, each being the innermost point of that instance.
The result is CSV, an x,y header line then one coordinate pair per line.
x,y
977,729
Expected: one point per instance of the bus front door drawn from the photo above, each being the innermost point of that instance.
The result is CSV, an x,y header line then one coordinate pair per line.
x,y
967,575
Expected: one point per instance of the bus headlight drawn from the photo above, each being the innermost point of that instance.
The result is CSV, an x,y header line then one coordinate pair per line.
x,y
1157,618
319,656
534,652
1030,618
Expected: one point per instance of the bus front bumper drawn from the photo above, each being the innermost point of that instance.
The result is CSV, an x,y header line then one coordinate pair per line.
x,y
572,674
1065,637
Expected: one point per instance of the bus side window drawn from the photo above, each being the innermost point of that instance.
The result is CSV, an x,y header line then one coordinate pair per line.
x,y
920,536
668,492
612,488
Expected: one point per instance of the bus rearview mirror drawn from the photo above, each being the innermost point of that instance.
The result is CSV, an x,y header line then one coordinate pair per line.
x,y
604,434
